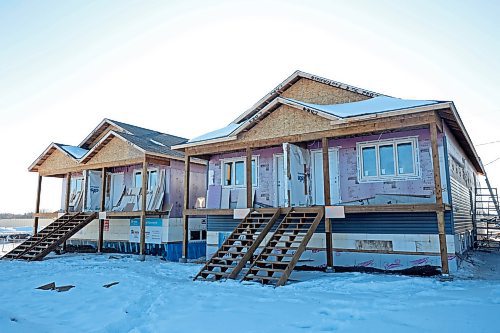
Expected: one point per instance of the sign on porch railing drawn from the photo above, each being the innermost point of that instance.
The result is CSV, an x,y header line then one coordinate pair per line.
x,y
154,228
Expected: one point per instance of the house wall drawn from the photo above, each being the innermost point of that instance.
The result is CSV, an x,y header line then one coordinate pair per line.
x,y
310,91
463,180
198,188
266,189
415,233
118,238
115,150
174,178
284,121
352,191
56,161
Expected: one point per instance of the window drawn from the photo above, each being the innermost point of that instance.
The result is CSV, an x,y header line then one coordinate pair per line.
x,y
234,174
152,179
76,185
388,159
195,235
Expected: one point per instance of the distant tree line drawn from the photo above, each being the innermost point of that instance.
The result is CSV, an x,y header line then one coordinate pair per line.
x,y
16,216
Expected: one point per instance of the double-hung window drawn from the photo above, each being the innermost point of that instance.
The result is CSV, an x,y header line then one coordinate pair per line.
x,y
233,172
388,159
152,178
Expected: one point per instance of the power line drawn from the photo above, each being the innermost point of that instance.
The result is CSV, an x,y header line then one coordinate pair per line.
x,y
488,143
496,159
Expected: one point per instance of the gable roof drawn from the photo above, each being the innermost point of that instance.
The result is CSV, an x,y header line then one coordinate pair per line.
x,y
146,140
376,105
67,150
291,80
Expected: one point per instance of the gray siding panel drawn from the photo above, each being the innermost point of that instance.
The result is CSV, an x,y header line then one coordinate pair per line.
x,y
462,210
373,223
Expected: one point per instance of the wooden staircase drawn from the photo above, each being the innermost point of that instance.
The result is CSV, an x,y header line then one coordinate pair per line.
x,y
56,233
239,247
281,254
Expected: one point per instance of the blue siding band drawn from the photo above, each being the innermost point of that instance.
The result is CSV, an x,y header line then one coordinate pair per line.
x,y
169,251
362,223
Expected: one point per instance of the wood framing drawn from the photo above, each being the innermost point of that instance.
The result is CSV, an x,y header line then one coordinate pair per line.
x,y
338,130
248,170
144,191
439,199
100,240
400,208
96,166
328,202
68,189
185,217
37,205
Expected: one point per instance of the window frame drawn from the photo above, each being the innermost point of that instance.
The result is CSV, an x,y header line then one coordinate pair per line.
x,y
413,140
234,160
139,171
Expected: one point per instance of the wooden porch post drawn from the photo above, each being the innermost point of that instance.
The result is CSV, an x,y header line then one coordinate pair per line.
x,y
37,206
185,219
100,240
66,201
439,200
68,189
144,190
249,178
328,202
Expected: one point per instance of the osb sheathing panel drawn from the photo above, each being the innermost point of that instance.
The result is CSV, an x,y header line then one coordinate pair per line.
x,y
115,150
284,121
57,160
310,91
100,136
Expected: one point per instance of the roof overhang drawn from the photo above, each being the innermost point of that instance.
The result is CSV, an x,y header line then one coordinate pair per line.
x,y
46,153
96,132
454,122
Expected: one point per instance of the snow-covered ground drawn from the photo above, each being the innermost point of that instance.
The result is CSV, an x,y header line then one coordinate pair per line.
x,y
157,296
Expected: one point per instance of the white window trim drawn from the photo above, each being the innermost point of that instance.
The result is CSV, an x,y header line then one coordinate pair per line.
x,y
136,171
379,178
336,176
239,159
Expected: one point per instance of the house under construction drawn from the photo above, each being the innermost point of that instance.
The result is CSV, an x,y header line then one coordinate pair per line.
x,y
107,202
323,174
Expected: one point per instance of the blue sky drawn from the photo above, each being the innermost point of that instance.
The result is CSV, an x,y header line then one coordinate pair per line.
x,y
65,65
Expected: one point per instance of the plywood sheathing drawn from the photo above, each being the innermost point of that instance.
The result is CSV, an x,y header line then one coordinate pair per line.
x,y
115,150
56,161
310,91
285,120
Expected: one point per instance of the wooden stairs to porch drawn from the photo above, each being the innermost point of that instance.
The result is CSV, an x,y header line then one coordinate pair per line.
x,y
240,246
281,254
56,233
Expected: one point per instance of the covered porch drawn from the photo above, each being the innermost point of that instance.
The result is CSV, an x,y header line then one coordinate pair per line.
x,y
314,180
112,189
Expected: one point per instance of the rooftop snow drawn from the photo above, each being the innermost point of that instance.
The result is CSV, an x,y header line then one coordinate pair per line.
x,y
217,134
76,152
369,106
